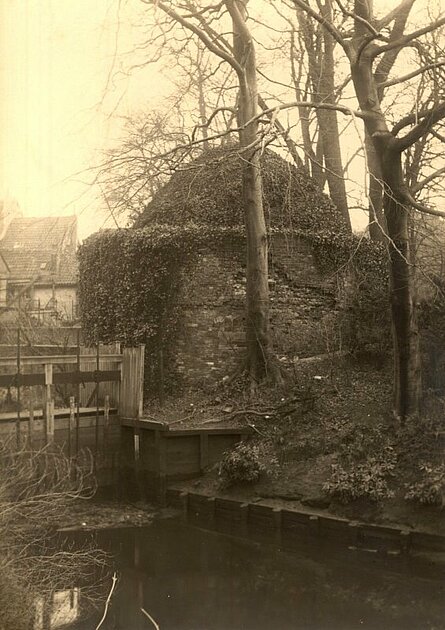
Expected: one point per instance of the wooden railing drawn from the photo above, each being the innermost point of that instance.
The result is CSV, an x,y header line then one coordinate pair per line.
x,y
102,379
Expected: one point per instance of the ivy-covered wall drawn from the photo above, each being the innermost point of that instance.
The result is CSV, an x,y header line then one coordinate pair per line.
x,y
181,291
212,340
175,281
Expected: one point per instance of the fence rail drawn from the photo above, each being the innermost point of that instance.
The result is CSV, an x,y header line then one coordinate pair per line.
x,y
92,381
54,359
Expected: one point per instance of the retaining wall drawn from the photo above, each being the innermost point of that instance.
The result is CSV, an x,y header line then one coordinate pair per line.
x,y
294,530
153,454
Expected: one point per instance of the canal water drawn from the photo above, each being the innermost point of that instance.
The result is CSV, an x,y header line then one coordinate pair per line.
x,y
189,579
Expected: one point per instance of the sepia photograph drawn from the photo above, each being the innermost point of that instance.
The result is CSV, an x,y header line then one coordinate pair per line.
x,y
222,314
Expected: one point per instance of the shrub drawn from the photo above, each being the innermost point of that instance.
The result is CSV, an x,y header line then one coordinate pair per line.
x,y
369,479
36,489
430,490
247,462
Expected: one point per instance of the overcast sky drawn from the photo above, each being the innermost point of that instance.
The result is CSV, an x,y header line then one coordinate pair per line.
x,y
58,105
62,95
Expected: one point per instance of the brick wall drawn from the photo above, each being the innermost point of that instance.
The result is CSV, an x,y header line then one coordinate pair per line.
x,y
212,340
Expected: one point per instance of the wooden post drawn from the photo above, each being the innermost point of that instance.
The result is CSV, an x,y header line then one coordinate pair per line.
x,y
277,519
203,450
96,435
18,421
140,381
244,520
78,394
161,376
161,450
211,517
71,425
106,421
31,425
49,403
184,499
132,383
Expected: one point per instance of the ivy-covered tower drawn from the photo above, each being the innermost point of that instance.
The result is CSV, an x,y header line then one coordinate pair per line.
x,y
179,271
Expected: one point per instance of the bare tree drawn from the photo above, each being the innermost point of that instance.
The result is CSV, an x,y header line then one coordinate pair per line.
x,y
319,47
241,57
363,53
36,489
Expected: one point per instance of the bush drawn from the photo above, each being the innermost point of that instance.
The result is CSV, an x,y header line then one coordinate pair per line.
x,y
36,489
431,489
247,462
369,479
366,466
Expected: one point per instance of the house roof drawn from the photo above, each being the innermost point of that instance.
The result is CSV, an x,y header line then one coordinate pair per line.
x,y
41,249
38,232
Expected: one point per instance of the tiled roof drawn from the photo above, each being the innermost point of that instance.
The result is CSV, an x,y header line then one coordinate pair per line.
x,y
67,268
38,232
30,263
42,248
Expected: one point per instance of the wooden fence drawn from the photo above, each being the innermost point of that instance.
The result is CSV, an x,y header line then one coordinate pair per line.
x,y
73,399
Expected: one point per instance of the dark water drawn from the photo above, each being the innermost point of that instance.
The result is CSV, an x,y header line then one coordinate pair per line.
x,y
189,579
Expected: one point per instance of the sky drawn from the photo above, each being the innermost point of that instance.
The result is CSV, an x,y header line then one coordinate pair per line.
x,y
63,96
61,101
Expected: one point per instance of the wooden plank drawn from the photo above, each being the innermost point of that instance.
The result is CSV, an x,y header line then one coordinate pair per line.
x,y
71,425
94,376
31,426
61,359
164,426
183,455
106,422
101,376
8,417
204,450
12,380
235,432
131,391
146,424
49,416
89,362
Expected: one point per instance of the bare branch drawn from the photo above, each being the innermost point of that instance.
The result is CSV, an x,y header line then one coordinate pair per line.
x,y
429,119
211,45
410,119
392,15
210,118
406,39
426,180
388,60
325,23
438,135
411,75
360,19
424,209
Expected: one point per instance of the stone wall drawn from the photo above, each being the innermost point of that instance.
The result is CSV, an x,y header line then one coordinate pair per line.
x,y
212,339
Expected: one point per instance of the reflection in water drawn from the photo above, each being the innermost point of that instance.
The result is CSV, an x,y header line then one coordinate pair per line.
x,y
63,609
187,579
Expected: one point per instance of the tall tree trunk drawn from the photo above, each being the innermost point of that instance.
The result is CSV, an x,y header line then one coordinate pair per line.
x,y
376,220
320,51
328,124
407,364
407,373
257,288
202,110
